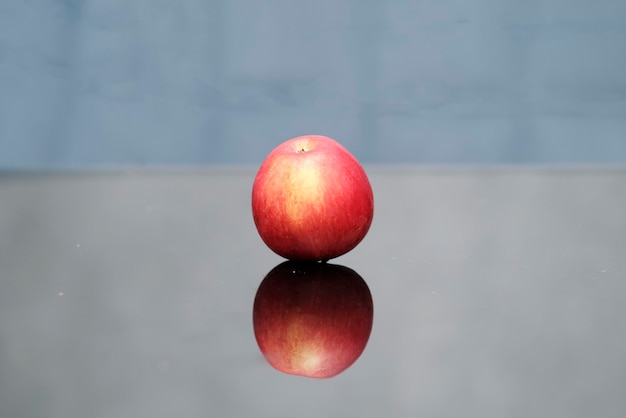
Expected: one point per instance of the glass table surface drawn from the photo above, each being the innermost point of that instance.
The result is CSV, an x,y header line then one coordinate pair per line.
x,y
497,292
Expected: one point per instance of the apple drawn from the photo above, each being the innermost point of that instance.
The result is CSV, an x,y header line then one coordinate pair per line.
x,y
312,319
311,199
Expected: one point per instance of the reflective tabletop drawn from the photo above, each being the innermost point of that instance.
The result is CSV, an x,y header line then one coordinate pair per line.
x,y
496,292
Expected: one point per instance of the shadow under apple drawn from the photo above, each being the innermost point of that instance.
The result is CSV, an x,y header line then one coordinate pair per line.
x,y
312,319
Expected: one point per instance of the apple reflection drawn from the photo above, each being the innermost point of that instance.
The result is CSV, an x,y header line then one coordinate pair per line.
x,y
312,319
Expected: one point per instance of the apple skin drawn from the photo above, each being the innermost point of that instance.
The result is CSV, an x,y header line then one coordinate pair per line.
x,y
311,199
312,319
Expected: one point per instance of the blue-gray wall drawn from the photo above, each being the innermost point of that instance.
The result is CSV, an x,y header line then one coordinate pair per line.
x,y
203,81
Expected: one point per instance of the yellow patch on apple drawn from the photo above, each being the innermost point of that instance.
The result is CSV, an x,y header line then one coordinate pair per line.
x,y
304,194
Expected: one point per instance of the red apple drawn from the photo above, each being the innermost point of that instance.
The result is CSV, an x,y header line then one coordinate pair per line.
x,y
312,320
311,199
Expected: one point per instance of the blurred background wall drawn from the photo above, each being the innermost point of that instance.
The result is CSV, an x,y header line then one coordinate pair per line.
x,y
110,82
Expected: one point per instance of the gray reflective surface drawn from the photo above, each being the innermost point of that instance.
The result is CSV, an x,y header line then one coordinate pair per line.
x,y
496,293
